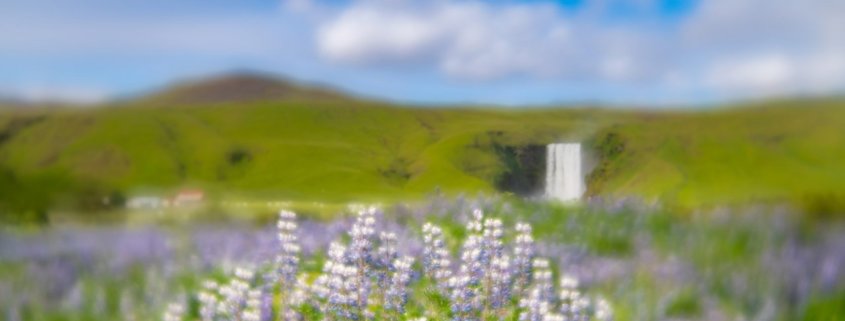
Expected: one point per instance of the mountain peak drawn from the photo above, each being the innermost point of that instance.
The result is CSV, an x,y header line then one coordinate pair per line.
x,y
242,87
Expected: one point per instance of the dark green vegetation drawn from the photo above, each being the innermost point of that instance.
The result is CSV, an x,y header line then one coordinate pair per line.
x,y
286,141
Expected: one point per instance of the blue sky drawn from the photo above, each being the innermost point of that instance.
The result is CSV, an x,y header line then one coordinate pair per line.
x,y
627,52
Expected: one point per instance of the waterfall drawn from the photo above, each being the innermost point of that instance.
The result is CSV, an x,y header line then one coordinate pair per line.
x,y
563,172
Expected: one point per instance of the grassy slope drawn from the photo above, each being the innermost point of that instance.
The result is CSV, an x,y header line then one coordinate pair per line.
x,y
356,150
789,150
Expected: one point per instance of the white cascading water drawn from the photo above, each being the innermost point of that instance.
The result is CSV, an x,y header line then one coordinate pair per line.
x,y
563,172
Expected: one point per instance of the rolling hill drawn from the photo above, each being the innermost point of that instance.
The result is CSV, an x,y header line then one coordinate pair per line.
x,y
261,137
240,87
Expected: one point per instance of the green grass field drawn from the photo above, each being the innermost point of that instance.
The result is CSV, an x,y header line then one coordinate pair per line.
x,y
345,150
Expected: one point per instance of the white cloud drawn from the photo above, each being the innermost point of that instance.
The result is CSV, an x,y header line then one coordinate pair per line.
x,y
768,48
462,39
41,29
729,48
757,74
32,93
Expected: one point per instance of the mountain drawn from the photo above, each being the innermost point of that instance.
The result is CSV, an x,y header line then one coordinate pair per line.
x,y
241,87
287,141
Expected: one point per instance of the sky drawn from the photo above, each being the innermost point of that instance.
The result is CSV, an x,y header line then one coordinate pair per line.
x,y
512,53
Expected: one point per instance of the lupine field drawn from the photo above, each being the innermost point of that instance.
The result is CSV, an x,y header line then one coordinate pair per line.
x,y
484,258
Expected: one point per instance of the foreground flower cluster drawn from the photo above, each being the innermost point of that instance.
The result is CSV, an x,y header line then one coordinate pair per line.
x,y
366,278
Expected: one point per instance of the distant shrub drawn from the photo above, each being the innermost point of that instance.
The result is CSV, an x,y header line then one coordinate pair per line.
x,y
238,155
824,206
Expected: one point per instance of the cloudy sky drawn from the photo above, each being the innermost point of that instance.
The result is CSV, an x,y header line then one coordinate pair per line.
x,y
630,52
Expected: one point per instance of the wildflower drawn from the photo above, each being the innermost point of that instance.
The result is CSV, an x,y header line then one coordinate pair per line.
x,y
385,256
361,234
497,265
208,301
175,312
465,296
397,293
361,257
234,294
287,260
603,311
523,255
537,305
252,309
543,279
487,280
341,288
436,259
572,304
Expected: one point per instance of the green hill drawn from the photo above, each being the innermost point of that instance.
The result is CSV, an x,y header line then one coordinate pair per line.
x,y
313,144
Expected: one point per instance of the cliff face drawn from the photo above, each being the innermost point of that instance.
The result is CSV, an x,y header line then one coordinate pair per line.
x,y
524,169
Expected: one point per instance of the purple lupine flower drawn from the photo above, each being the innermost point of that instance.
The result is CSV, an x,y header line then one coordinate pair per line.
x,y
287,260
497,274
464,285
573,306
537,305
397,293
523,255
208,301
252,307
385,256
436,258
234,295
361,257
341,292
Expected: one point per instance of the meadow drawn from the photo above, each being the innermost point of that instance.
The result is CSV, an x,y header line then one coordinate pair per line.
x,y
637,261
352,150
731,213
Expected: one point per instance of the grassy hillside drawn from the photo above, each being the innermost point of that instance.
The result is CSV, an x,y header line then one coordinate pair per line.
x,y
343,150
298,149
776,151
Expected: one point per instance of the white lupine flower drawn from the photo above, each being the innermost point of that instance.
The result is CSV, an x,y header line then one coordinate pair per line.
x,y
543,279
500,281
361,234
475,224
387,252
300,292
436,258
523,255
385,256
397,293
572,305
252,309
361,258
497,276
175,312
287,260
340,283
208,301
245,274
234,296
465,292
603,311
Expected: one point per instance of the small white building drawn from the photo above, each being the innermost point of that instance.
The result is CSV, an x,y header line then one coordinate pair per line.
x,y
144,202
